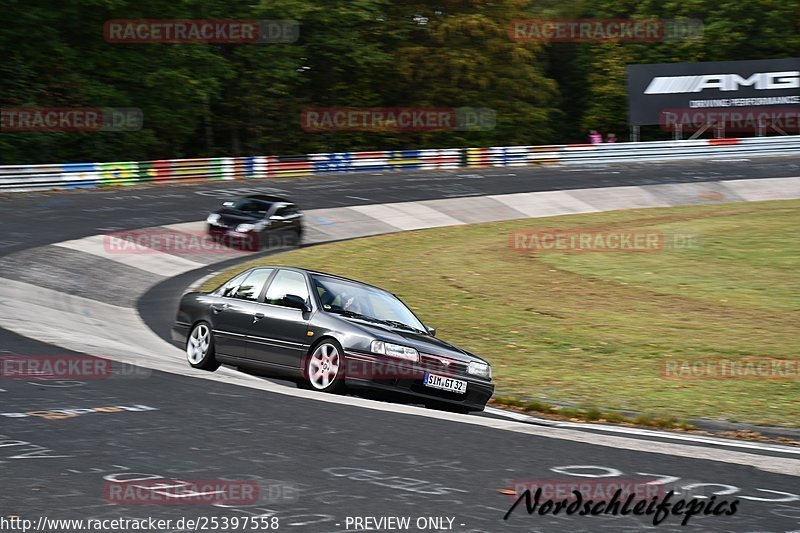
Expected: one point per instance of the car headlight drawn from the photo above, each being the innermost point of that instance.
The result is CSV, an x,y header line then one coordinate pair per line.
x,y
213,219
480,369
244,228
395,350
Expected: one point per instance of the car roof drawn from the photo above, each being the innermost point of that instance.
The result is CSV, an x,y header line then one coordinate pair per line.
x,y
307,271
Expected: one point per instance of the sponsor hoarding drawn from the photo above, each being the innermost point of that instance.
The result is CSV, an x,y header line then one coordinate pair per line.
x,y
771,84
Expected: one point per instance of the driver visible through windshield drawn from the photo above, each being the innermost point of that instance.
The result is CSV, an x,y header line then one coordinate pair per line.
x,y
363,301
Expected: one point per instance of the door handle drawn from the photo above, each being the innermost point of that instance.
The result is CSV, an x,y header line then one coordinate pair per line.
x,y
218,308
257,317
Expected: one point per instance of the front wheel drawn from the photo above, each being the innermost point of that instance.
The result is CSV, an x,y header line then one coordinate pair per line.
x,y
200,348
297,237
324,368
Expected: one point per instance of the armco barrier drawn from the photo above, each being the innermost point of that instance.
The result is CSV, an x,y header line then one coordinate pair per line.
x,y
78,175
688,149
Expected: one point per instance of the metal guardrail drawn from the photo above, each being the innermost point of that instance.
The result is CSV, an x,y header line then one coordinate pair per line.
x,y
83,175
581,154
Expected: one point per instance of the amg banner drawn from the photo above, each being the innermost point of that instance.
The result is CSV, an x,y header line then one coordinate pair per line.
x,y
741,94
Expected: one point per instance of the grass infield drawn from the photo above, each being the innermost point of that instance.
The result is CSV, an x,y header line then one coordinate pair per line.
x,y
603,331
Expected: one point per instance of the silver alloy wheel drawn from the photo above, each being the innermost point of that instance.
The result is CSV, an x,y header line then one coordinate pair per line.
x,y
197,346
323,366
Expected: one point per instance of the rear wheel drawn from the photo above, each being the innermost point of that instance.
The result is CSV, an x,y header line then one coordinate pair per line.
x,y
200,348
324,368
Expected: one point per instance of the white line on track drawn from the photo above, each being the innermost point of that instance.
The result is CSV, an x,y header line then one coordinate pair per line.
x,y
645,432
197,283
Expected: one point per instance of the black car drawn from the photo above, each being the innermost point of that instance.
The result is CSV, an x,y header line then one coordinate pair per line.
x,y
330,333
257,221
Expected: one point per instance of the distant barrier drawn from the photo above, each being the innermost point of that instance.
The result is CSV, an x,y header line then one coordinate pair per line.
x,y
92,175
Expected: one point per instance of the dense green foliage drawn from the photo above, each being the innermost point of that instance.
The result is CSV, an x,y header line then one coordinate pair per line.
x,y
243,99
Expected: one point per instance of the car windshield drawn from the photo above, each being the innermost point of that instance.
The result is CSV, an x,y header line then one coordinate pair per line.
x,y
354,299
248,205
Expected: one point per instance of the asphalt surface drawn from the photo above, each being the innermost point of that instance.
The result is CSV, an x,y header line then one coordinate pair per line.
x,y
35,219
317,466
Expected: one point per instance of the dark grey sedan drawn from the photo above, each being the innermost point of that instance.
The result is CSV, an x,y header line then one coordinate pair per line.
x,y
257,221
329,333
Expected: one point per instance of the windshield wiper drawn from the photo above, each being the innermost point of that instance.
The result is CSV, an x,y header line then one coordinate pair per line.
x,y
353,314
402,325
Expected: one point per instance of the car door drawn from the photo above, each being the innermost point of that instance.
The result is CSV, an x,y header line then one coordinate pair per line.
x,y
232,312
278,333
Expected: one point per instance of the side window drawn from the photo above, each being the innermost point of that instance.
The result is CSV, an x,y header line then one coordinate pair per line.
x,y
229,289
286,282
286,211
251,287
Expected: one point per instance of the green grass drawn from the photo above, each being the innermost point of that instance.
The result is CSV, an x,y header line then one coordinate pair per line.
x,y
592,329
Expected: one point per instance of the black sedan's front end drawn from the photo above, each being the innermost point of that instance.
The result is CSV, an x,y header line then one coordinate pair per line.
x,y
395,358
433,378
255,222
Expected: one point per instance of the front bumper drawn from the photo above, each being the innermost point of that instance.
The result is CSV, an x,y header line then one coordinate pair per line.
x,y
249,241
381,372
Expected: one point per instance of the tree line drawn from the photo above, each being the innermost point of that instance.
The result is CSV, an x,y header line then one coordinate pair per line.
x,y
231,99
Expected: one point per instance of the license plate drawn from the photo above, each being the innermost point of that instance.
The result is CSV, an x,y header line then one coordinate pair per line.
x,y
449,384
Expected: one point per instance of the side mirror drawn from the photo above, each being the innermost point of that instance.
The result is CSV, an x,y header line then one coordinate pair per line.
x,y
276,217
292,300
228,204
431,331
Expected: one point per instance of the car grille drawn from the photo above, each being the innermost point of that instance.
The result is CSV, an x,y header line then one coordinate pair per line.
x,y
433,363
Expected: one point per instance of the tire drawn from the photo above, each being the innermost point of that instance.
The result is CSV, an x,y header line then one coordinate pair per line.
x,y
297,237
323,369
261,242
200,348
